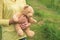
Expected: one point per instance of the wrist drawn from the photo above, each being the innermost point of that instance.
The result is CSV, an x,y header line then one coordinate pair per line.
x,y
11,21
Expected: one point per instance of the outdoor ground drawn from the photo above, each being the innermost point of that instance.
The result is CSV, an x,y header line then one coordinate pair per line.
x,y
47,13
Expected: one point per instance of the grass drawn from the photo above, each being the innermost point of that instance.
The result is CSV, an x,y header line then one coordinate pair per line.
x,y
48,25
48,21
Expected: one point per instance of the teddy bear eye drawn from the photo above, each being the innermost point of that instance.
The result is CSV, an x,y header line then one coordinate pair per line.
x,y
28,11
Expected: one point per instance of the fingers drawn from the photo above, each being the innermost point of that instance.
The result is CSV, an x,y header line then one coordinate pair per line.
x,y
19,30
24,26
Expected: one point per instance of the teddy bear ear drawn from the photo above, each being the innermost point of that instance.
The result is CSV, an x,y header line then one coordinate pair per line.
x,y
26,6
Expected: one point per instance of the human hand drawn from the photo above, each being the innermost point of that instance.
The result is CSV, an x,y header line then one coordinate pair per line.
x,y
24,26
11,21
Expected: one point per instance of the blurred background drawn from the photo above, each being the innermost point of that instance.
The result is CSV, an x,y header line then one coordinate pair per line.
x,y
47,13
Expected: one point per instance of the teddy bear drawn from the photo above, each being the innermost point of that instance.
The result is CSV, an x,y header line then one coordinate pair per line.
x,y
25,18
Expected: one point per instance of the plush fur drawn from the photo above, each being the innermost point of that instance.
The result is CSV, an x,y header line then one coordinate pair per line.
x,y
24,25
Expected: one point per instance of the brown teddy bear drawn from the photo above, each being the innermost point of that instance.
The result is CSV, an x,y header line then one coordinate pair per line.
x,y
25,19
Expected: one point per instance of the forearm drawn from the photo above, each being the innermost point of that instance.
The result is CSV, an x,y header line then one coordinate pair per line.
x,y
4,21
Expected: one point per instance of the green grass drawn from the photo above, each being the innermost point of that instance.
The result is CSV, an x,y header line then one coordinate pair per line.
x,y
0,33
48,25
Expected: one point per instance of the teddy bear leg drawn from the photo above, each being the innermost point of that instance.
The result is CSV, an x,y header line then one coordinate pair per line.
x,y
29,32
19,30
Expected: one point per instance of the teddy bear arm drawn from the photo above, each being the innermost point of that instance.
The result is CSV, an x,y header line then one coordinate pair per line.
x,y
32,20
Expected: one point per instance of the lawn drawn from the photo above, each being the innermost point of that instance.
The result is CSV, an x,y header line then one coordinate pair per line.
x,y
48,25
47,15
